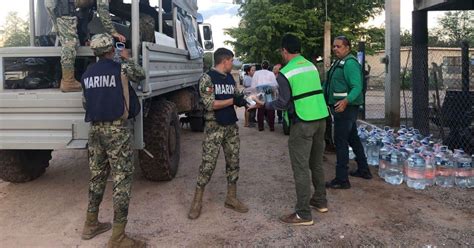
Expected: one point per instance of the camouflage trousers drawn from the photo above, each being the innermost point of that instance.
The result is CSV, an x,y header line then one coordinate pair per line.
x,y
216,136
110,150
147,28
66,30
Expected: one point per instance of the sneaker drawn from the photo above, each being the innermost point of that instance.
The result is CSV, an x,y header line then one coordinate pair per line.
x,y
295,220
360,173
320,207
336,184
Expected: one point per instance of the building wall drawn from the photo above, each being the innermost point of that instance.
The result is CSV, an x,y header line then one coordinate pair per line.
x,y
435,55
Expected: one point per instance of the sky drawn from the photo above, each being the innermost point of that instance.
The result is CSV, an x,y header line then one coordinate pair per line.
x,y
222,14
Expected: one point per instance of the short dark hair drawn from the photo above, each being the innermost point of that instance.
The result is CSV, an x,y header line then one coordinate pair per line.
x,y
344,40
291,43
221,54
265,64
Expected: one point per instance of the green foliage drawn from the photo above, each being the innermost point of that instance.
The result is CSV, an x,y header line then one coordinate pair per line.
x,y
456,26
264,22
207,60
16,31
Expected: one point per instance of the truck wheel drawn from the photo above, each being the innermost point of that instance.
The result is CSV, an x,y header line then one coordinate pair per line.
x,y
19,166
161,135
286,128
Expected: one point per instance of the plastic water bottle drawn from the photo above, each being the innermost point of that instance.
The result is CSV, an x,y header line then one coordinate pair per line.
x,y
351,153
464,171
444,167
394,170
384,159
119,46
430,168
363,136
415,171
372,151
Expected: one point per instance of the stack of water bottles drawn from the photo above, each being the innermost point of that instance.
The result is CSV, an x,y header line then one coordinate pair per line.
x,y
406,155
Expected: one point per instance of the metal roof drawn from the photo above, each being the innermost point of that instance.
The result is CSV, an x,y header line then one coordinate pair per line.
x,y
442,5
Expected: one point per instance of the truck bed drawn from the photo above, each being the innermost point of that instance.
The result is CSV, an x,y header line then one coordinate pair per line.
x,y
46,119
50,119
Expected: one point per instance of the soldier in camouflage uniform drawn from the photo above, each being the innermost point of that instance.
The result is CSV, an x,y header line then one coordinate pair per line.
x,y
109,138
63,15
218,95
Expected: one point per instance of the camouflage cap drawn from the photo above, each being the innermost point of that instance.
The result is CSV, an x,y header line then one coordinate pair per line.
x,y
102,43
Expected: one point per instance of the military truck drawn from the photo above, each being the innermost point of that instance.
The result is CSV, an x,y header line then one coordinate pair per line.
x,y
36,120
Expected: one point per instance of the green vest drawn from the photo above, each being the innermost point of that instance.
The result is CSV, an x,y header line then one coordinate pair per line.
x,y
306,91
336,86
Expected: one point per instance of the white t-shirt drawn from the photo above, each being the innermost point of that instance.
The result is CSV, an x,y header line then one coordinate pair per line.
x,y
264,77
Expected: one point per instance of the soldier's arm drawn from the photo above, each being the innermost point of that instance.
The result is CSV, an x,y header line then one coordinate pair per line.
x,y
104,16
132,70
206,90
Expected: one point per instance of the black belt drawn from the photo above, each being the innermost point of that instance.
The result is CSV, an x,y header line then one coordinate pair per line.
x,y
311,93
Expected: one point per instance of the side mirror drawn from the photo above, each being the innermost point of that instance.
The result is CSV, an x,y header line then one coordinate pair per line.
x,y
206,28
208,45
207,35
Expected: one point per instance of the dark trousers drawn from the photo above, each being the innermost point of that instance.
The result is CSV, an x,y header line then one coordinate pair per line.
x,y
345,134
270,114
280,115
252,114
306,147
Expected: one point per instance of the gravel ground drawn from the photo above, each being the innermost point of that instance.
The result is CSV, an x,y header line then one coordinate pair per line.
x,y
50,211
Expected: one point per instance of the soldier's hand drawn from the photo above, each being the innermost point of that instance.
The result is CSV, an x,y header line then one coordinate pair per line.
x,y
119,37
125,54
239,100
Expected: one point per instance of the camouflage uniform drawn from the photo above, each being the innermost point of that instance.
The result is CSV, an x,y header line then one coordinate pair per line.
x,y
66,28
110,146
217,135
147,28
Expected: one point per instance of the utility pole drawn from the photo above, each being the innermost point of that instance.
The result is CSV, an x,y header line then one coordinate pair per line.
x,y
392,62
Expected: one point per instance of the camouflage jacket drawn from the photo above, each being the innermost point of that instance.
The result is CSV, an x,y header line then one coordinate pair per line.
x,y
133,71
206,90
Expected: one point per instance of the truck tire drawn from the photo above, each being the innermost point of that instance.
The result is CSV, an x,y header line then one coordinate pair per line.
x,y
19,166
286,128
161,136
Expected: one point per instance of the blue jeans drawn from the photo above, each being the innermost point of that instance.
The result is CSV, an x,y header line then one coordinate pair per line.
x,y
345,134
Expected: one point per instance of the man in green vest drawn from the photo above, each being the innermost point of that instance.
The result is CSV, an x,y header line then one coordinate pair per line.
x,y
343,91
302,100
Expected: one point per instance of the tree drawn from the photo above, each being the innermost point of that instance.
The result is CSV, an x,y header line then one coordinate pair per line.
x,y
16,31
264,22
434,40
456,26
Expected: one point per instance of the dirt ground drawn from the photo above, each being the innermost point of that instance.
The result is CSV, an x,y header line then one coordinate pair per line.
x,y
50,211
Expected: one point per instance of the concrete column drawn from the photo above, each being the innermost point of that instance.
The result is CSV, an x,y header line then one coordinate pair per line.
x,y
392,52
420,71
32,23
327,48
